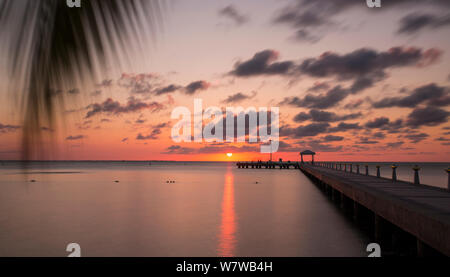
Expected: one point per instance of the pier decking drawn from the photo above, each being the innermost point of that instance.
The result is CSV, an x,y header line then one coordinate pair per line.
x,y
393,207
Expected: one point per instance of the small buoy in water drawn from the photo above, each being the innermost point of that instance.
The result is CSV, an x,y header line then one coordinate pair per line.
x,y
116,181
256,182
167,182
33,181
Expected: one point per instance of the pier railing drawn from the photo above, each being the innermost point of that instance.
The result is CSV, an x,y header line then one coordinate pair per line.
x,y
356,168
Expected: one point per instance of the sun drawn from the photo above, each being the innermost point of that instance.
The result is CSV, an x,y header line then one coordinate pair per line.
x,y
229,154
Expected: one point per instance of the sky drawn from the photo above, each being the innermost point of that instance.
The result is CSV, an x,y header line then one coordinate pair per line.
x,y
352,84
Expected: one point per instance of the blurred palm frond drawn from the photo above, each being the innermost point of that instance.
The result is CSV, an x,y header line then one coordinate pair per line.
x,y
51,46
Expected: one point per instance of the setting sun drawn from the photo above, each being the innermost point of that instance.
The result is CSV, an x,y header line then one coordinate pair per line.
x,y
229,154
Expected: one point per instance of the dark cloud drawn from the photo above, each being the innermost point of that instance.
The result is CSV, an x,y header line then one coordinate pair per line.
x,y
324,116
232,13
430,94
385,124
377,122
342,127
239,97
318,16
416,137
442,139
247,115
428,116
193,87
152,136
321,101
321,147
85,125
162,125
114,107
306,36
138,83
354,104
394,126
167,89
415,22
212,148
366,140
319,86
309,130
394,144
78,137
262,63
366,65
177,149
153,84
379,135
209,149
315,129
300,19
155,132
287,147
8,128
331,138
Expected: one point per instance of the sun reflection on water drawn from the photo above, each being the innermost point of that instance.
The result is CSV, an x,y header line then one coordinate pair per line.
x,y
227,239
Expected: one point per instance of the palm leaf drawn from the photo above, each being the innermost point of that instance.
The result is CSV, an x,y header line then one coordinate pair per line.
x,y
51,46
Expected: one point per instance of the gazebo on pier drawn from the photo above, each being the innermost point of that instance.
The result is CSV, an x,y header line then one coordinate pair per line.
x,y
308,152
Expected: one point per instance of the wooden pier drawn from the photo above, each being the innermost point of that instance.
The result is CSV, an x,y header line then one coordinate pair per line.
x,y
397,213
269,165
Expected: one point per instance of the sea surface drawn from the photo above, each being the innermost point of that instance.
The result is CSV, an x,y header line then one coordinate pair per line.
x,y
175,209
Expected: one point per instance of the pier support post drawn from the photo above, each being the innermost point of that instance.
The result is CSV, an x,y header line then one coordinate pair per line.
x,y
394,173
345,167
424,250
381,229
351,168
357,169
448,173
335,195
346,204
356,211
367,170
416,169
378,171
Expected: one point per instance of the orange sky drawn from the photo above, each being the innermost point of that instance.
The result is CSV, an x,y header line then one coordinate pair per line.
x,y
214,57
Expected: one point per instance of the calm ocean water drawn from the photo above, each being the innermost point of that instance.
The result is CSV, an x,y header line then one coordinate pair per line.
x,y
212,209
